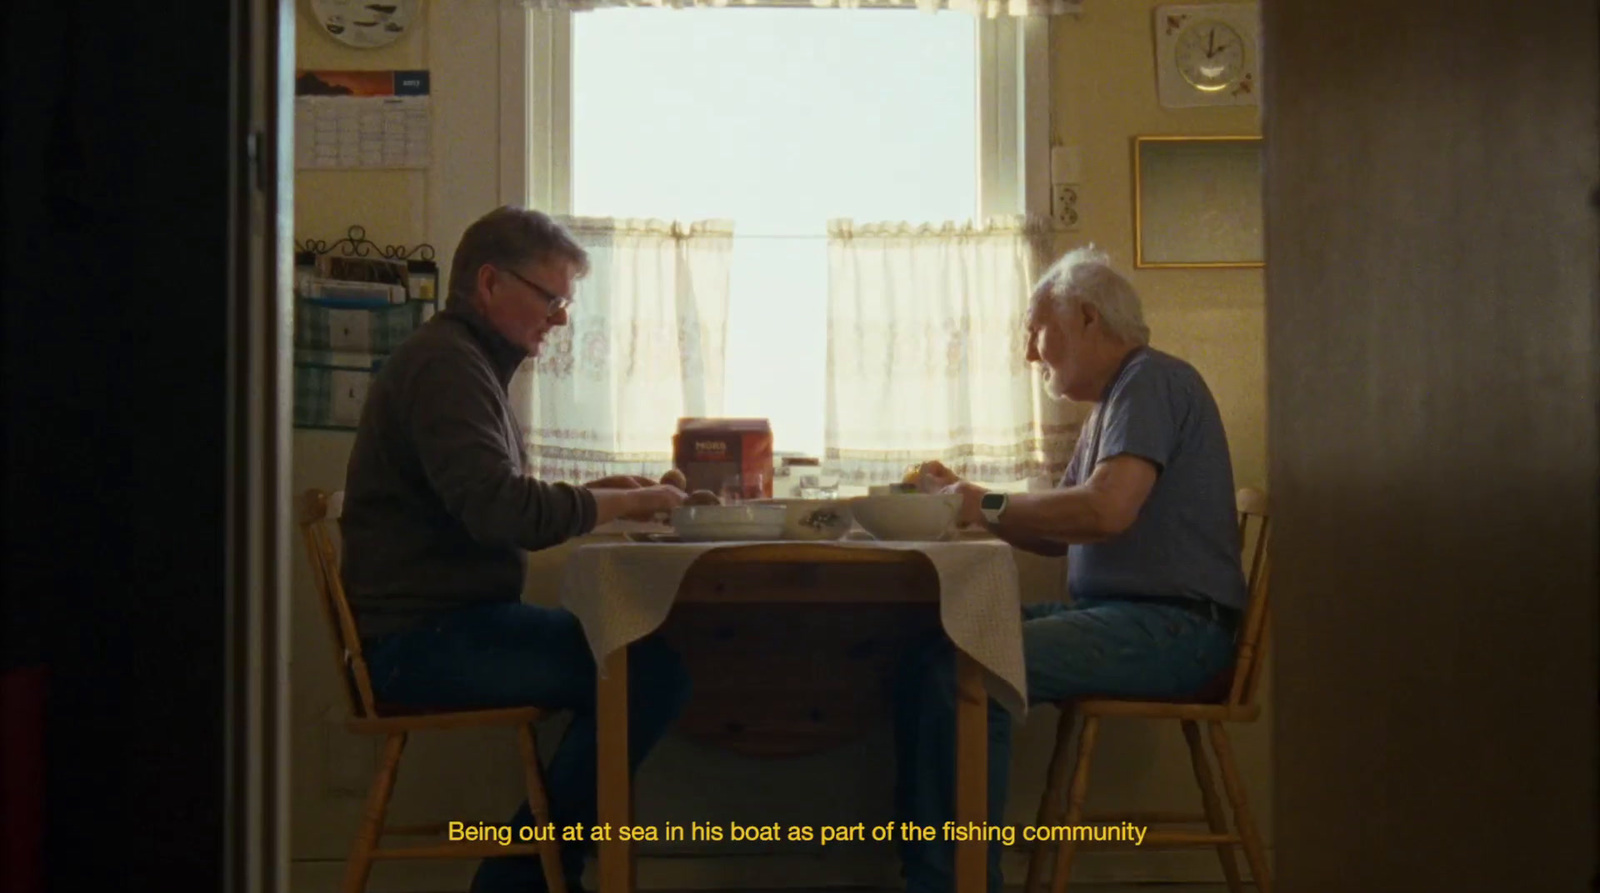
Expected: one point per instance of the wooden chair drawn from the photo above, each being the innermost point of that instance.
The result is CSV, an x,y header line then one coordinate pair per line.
x,y
1231,699
370,717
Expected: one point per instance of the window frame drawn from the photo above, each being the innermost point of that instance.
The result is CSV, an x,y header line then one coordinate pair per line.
x,y
1014,110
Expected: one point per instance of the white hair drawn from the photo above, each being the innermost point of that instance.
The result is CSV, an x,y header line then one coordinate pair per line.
x,y
1084,276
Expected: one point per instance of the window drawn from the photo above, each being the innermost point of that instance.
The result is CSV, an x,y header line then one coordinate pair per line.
x,y
780,119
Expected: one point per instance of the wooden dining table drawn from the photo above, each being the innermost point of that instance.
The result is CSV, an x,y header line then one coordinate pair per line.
x,y
804,573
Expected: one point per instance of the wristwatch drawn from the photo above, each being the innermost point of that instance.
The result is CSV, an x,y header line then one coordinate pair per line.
x,y
993,505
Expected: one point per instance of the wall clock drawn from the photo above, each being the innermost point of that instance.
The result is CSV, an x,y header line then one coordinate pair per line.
x,y
1208,55
366,24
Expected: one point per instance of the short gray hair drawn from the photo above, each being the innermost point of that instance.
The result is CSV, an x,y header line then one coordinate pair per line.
x,y
509,235
1085,276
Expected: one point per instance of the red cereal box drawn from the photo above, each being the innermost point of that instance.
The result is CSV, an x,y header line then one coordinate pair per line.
x,y
715,452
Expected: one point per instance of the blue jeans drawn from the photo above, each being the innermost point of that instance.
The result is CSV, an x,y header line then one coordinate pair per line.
x,y
1110,648
519,655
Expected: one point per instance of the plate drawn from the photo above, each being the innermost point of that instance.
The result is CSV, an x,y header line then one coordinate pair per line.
x,y
723,523
367,24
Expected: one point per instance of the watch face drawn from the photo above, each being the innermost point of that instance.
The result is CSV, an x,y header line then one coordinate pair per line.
x,y
992,501
1210,55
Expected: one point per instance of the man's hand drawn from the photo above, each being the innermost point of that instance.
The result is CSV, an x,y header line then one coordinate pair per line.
x,y
971,501
652,500
620,482
637,504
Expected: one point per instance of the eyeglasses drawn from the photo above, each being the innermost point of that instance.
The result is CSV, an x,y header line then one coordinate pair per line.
x,y
557,303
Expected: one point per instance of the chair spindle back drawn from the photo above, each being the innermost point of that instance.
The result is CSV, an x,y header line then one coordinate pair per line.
x,y
316,523
1254,535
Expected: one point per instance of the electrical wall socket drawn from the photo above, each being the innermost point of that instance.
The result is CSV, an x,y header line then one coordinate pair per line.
x,y
1064,205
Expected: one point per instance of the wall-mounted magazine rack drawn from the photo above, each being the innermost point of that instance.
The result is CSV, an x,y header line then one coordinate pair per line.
x,y
355,302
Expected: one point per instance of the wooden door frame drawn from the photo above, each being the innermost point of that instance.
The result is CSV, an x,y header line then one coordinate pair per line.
x,y
261,394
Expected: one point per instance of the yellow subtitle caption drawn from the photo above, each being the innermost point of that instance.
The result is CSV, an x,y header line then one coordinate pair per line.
x,y
826,835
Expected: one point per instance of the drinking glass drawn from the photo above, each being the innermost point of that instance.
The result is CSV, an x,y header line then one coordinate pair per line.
x,y
819,486
737,488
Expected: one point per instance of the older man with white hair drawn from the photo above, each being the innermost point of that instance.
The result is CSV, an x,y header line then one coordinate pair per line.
x,y
1145,516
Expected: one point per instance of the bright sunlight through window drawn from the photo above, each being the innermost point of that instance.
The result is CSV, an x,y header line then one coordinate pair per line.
x,y
779,120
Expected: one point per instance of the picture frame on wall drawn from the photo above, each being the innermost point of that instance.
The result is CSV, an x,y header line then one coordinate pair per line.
x,y
1197,202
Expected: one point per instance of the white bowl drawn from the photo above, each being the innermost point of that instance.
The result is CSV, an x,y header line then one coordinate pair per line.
x,y
907,516
813,519
750,521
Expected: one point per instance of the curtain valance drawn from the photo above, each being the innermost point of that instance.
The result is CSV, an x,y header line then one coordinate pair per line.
x,y
986,8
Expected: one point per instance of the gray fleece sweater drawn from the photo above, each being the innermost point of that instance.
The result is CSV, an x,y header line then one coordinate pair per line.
x,y
438,512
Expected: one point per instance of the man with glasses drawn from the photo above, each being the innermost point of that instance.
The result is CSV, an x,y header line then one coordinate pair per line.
x,y
439,515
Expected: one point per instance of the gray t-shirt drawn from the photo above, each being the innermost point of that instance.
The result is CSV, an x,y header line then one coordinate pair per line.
x,y
1185,541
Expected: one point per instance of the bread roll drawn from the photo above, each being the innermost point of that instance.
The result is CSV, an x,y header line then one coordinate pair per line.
x,y
702,497
675,478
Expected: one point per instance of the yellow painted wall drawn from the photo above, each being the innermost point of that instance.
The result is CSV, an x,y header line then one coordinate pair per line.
x,y
1103,86
1104,94
391,205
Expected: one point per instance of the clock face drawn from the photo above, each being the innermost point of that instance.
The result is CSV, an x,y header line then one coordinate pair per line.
x,y
1210,55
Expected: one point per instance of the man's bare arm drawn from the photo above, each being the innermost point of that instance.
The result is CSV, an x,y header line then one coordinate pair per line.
x,y
1100,508
1028,543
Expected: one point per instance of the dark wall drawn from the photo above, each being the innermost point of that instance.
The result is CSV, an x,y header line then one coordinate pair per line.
x,y
1434,369
116,183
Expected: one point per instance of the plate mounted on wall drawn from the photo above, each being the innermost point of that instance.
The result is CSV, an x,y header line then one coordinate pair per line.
x,y
365,24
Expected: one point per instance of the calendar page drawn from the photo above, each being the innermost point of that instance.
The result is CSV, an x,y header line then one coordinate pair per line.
x,y
362,119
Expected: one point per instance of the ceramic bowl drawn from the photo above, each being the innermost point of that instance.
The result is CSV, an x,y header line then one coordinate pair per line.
x,y
748,521
907,516
813,519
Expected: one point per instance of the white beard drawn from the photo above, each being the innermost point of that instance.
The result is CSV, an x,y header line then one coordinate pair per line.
x,y
1052,385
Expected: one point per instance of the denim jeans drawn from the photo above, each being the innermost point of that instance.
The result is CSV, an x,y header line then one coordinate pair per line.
x,y
1109,648
519,655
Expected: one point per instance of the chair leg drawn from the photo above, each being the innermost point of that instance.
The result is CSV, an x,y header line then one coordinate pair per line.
x,y
359,867
539,804
1234,785
1050,803
1208,796
1080,786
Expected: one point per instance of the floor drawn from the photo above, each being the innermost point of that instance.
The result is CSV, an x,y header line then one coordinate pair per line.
x,y
1077,888
1084,887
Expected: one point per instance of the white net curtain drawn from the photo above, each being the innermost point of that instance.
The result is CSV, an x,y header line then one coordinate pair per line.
x,y
926,350
645,347
987,8
925,353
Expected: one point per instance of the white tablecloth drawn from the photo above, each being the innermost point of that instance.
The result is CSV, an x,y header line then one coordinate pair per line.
x,y
622,592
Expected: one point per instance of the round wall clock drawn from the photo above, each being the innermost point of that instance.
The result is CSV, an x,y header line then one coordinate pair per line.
x,y
1208,55
365,24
